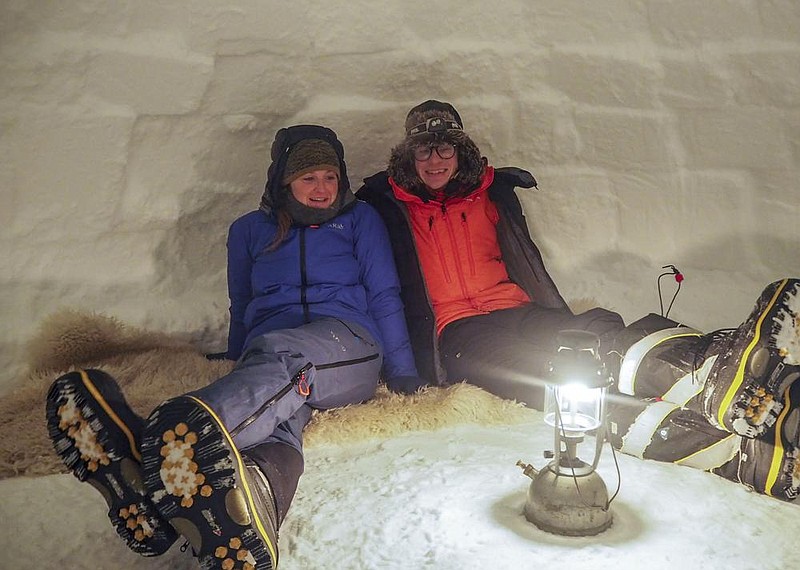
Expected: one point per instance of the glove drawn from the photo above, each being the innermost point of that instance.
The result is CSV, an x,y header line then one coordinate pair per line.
x,y
405,384
217,356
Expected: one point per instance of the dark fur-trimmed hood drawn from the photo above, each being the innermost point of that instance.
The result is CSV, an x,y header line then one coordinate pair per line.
x,y
275,191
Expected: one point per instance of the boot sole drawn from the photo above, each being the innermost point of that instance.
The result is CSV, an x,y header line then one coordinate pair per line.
x,y
754,399
98,447
196,477
779,475
784,474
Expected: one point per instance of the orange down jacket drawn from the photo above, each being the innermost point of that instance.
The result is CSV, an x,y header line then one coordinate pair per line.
x,y
519,253
456,241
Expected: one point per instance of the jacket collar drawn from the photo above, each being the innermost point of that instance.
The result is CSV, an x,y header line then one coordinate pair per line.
x,y
405,196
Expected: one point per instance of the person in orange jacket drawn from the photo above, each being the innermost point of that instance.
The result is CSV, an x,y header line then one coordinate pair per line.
x,y
481,307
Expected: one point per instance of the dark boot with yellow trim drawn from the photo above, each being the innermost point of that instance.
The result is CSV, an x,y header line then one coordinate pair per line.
x,y
770,464
283,465
214,496
745,388
96,435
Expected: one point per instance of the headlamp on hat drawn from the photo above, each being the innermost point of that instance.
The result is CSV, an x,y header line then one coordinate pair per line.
x,y
434,125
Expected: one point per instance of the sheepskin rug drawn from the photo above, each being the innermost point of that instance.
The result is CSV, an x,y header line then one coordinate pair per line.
x,y
151,367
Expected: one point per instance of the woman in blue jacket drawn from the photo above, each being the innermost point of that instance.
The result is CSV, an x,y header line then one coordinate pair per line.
x,y
316,318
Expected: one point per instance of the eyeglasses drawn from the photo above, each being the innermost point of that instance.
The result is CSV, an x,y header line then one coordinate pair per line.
x,y
444,150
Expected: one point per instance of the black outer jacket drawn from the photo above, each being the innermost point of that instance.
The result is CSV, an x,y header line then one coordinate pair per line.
x,y
523,260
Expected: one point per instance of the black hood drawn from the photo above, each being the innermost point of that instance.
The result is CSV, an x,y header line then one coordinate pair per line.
x,y
275,193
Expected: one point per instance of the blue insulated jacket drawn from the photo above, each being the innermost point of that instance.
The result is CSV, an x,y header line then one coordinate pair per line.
x,y
342,269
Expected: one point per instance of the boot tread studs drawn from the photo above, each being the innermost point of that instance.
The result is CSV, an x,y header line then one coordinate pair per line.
x,y
746,386
178,472
194,475
234,552
787,328
77,427
136,522
92,430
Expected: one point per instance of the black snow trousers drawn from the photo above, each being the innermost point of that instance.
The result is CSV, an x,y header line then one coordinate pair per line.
x,y
508,352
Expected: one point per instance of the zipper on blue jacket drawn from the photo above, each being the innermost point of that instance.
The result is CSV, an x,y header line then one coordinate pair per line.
x,y
295,380
303,276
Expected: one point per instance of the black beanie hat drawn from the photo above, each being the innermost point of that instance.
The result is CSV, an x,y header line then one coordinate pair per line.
x,y
418,120
436,121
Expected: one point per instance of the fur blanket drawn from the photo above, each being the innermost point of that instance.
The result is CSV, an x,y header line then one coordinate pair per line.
x,y
151,367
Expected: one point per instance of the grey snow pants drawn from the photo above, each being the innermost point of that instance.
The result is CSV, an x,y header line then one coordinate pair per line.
x,y
282,375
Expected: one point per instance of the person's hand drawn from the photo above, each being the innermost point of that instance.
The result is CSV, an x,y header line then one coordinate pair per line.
x,y
405,384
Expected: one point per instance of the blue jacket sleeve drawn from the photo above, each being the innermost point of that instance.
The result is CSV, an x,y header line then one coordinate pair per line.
x,y
240,292
379,276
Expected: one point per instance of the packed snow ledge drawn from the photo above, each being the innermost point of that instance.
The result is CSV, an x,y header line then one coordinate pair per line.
x,y
448,499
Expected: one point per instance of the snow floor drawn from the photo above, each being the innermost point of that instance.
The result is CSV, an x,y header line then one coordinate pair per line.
x,y
450,499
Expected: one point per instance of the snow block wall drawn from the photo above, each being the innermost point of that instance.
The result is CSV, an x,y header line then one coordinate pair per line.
x,y
133,133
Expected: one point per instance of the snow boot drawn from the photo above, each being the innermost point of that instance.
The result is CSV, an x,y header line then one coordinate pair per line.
x,y
745,388
657,413
219,500
770,464
661,359
96,435
664,431
283,465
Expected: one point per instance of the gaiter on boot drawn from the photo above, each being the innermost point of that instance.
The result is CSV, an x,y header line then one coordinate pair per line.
x,y
282,465
657,412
